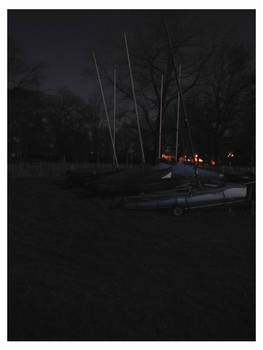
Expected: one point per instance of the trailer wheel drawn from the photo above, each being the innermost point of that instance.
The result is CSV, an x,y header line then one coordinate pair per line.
x,y
177,211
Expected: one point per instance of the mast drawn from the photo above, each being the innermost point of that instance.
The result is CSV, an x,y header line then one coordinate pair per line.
x,y
180,92
178,116
114,105
106,111
134,98
161,115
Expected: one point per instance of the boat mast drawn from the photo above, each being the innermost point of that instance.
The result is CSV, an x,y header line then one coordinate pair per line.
x,y
178,116
114,105
180,91
134,98
106,112
161,116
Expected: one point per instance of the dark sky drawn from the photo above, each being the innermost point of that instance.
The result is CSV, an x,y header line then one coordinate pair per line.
x,y
63,38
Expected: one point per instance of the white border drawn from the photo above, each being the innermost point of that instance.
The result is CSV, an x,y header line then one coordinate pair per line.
x,y
135,4
3,174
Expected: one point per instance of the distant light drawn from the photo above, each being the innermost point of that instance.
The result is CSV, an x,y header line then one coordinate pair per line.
x,y
230,155
197,159
168,157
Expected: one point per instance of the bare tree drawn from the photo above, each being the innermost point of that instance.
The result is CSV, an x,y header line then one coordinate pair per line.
x,y
226,89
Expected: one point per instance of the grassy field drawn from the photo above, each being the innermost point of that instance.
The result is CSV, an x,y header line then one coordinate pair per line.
x,y
81,271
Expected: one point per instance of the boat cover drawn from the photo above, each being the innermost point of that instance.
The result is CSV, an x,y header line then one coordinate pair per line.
x,y
184,170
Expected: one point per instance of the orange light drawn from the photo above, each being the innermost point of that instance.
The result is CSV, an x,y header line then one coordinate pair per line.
x,y
168,157
213,162
197,159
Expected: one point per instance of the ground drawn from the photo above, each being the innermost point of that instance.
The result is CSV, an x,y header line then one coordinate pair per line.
x,y
81,271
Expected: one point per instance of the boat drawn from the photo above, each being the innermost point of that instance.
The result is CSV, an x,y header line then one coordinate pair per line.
x,y
130,181
187,197
182,170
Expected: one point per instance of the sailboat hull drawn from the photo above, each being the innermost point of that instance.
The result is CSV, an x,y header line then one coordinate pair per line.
x,y
187,199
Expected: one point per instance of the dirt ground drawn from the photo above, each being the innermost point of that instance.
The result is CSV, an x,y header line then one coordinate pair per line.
x,y
81,271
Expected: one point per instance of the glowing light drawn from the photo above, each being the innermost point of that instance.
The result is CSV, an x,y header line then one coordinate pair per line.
x,y
230,155
213,162
168,157
197,159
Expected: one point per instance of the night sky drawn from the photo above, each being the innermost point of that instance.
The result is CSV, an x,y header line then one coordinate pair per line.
x,y
64,38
